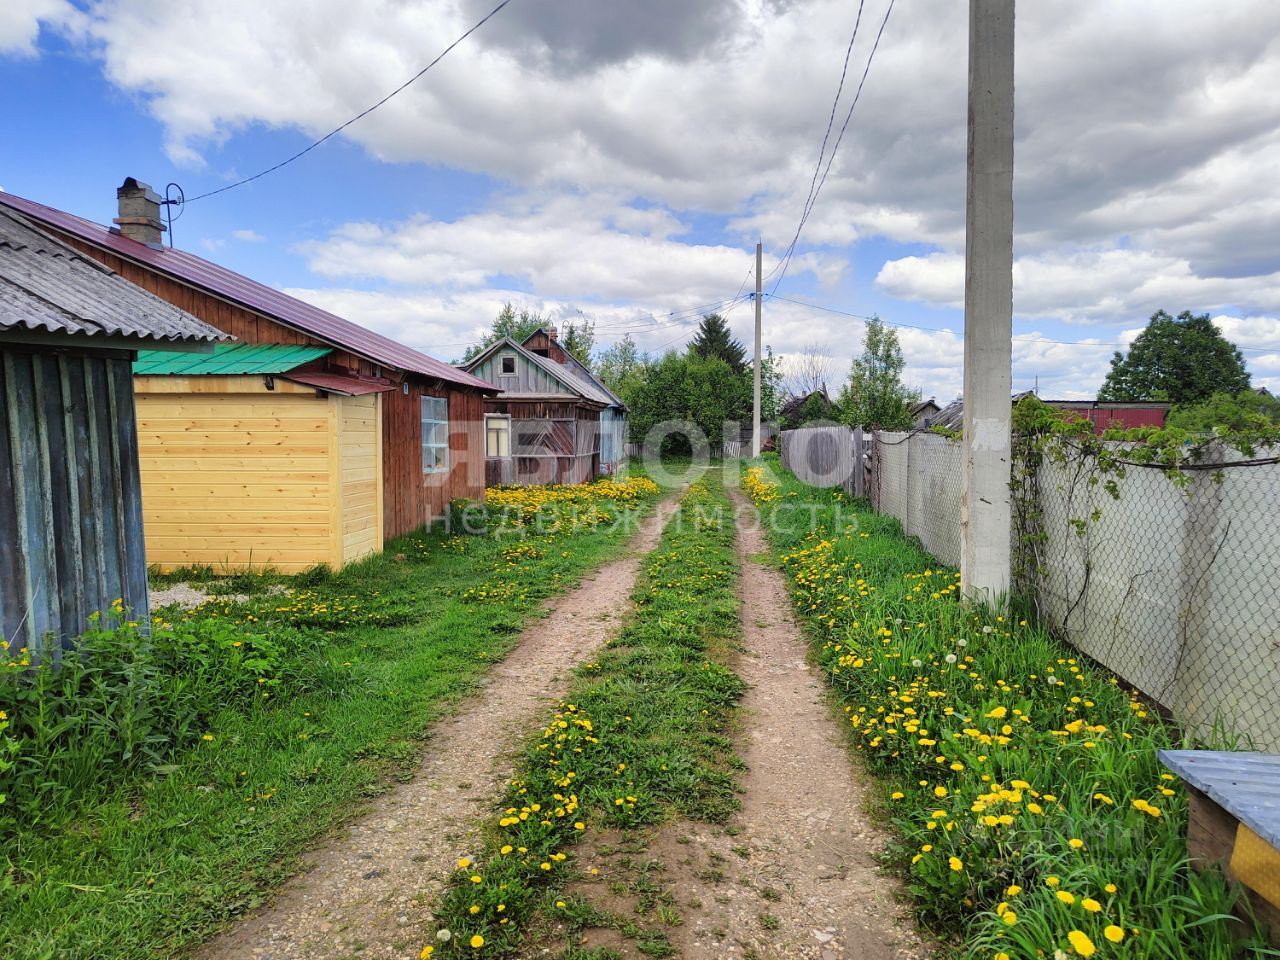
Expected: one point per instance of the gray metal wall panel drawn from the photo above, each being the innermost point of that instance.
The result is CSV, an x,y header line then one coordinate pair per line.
x,y
71,522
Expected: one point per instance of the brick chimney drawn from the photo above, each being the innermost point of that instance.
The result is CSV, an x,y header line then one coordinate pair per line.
x,y
552,332
139,208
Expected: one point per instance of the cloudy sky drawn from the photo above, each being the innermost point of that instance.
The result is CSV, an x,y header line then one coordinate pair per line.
x,y
619,160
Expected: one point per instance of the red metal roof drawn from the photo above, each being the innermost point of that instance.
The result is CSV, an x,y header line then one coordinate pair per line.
x,y
339,383
291,312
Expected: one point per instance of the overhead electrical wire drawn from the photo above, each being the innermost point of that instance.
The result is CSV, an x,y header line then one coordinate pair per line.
x,y
359,116
822,152
804,216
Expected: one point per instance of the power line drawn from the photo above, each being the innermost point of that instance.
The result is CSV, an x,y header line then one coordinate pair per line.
x,y
364,113
817,167
804,217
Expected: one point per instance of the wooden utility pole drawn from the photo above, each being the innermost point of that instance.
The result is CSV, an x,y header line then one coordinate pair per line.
x,y
755,404
985,510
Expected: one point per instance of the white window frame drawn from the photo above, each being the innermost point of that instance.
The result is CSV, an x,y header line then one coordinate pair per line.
x,y
434,416
502,365
503,432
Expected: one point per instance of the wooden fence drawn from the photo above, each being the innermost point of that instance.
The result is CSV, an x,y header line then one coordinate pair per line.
x,y
827,457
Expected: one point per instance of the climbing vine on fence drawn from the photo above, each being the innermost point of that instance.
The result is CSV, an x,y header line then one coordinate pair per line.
x,y
1101,461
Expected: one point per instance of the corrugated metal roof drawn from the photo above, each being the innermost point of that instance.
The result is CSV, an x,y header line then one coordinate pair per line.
x,y
228,359
1244,784
48,287
288,310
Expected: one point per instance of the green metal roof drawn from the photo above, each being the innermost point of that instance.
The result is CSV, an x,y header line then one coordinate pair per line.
x,y
228,359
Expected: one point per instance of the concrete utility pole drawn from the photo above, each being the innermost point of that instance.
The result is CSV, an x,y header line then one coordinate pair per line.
x,y
985,514
755,405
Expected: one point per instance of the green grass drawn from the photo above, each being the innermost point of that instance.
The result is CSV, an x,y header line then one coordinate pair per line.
x,y
141,853
1021,778
640,738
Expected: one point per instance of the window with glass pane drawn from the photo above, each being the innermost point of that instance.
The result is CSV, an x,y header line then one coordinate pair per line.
x,y
497,432
435,434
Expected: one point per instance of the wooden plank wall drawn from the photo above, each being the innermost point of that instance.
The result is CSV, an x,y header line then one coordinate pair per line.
x,y
359,453
411,498
235,480
70,497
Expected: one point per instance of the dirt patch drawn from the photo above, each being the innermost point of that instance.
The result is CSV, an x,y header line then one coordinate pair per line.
x,y
367,892
182,595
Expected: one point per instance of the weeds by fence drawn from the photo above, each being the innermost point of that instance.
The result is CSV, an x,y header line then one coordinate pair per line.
x,y
1166,577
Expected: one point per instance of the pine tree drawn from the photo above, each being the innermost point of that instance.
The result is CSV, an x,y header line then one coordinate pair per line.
x,y
713,339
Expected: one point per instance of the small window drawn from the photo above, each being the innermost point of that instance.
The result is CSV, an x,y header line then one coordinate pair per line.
x,y
497,436
508,364
435,434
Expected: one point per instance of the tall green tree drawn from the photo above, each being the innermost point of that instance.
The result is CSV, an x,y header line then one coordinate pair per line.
x,y
1184,359
699,394
622,368
579,338
507,323
713,339
875,394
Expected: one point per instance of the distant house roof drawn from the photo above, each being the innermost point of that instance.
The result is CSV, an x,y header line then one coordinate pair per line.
x,y
791,409
198,272
924,405
951,417
583,386
228,359
48,287
582,372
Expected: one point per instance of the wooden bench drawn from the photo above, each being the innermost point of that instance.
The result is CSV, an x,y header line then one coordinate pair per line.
x,y
1234,821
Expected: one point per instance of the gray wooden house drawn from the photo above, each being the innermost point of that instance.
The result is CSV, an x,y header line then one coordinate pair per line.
x,y
70,498
554,421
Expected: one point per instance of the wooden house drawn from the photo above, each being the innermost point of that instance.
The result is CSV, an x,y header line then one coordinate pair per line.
x,y
280,458
554,421
71,515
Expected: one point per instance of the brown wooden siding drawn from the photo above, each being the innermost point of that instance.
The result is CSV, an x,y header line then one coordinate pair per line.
x,y
413,498
551,442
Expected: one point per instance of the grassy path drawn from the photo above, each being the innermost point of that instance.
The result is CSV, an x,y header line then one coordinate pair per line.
x,y
795,875
368,891
640,738
141,860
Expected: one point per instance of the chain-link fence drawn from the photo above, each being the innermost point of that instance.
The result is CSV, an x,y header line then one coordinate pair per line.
x,y
1168,580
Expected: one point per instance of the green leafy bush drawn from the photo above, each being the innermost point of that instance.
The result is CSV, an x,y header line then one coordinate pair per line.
x,y
126,697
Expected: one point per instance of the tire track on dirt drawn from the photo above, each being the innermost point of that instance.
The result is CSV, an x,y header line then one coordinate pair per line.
x,y
368,890
795,875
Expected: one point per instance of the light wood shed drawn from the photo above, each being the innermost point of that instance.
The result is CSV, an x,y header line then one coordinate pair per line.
x,y
243,467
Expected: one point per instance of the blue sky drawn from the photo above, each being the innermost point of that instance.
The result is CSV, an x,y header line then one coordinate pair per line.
x,y
622,170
